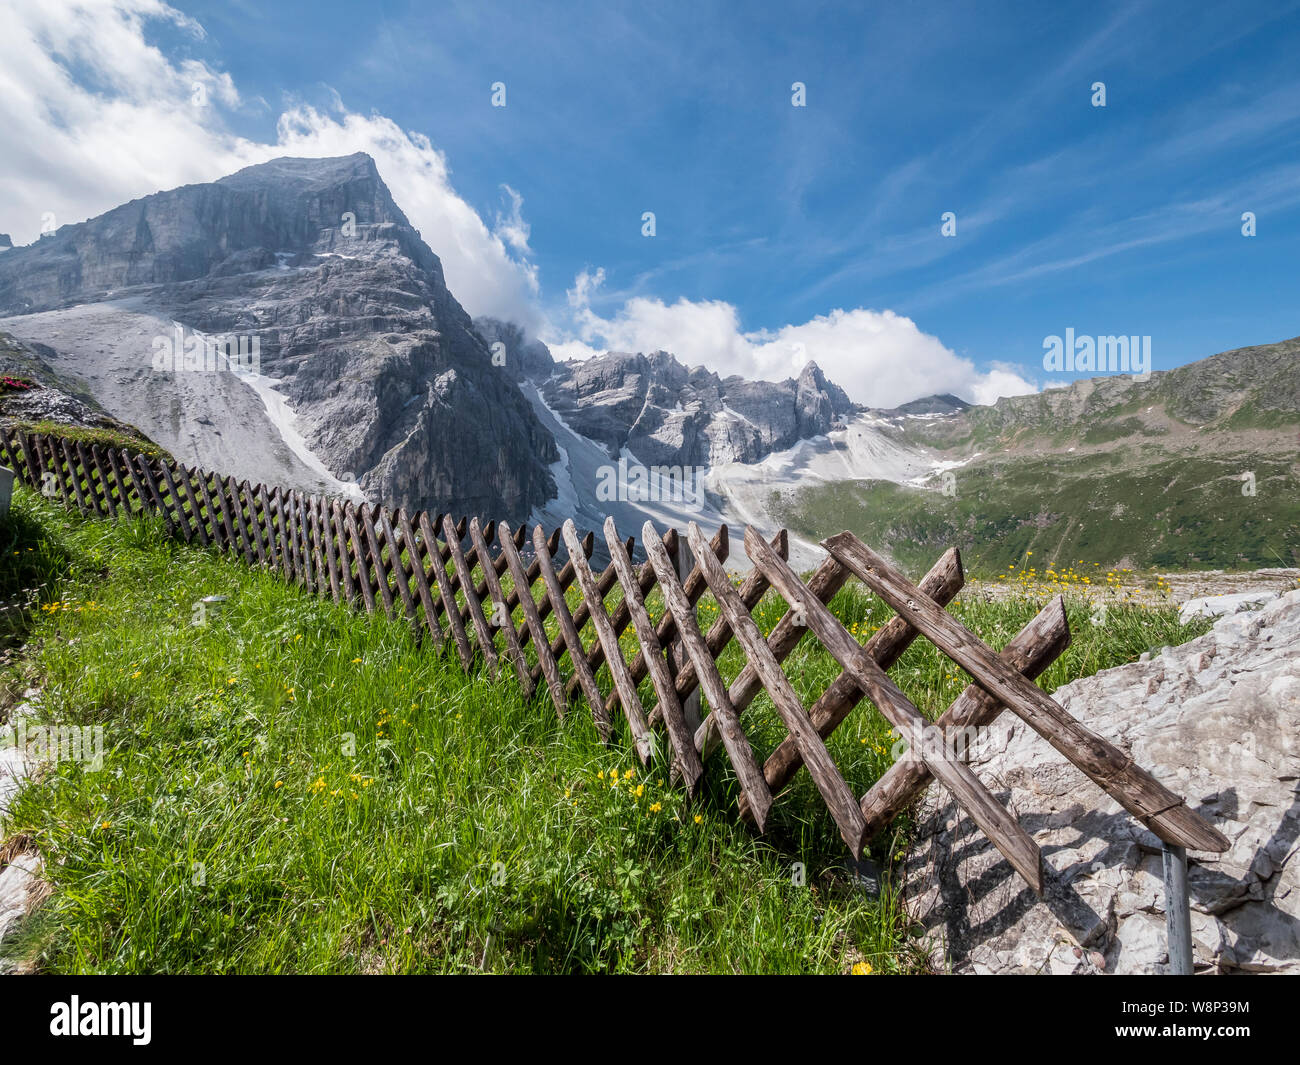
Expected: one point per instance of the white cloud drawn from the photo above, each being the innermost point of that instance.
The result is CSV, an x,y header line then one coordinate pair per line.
x,y
92,115
878,357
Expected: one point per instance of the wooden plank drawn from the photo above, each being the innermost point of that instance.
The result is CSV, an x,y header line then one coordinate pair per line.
x,y
417,575
666,631
155,497
197,513
10,451
885,647
641,734
818,760
232,499
325,533
302,504
340,537
280,520
748,774
542,646
513,651
210,509
73,476
752,590
446,593
1032,650
33,457
397,566
141,491
481,630
223,508
1164,812
124,489
569,635
359,554
182,518
316,524
380,569
1012,841
249,496
605,581
686,759
106,485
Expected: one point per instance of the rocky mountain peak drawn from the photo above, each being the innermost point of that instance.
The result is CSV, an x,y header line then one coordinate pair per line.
x,y
314,261
665,413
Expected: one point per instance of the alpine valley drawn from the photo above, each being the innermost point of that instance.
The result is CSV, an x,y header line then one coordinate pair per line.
x,y
358,373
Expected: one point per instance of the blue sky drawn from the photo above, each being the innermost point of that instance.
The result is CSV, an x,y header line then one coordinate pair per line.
x,y
1117,220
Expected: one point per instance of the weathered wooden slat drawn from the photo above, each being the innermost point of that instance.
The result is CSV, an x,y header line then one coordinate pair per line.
x,y
595,600
396,566
422,589
130,502
85,476
818,760
358,551
280,527
182,521
96,460
96,486
1164,812
748,774
375,553
541,645
666,631
33,460
10,450
339,535
446,592
198,518
155,496
210,509
686,759
752,590
481,631
173,504
1012,841
886,647
513,651
137,482
1032,650
233,500
223,508
605,581
572,642
73,476
249,498
310,543
530,574
315,533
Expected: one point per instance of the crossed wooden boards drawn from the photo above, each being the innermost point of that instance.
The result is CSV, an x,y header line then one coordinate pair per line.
x,y
1000,681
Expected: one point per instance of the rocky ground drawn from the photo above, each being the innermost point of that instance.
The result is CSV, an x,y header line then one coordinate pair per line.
x,y
1218,721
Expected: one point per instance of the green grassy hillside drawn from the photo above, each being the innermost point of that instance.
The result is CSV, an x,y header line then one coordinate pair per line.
x,y
1116,510
298,788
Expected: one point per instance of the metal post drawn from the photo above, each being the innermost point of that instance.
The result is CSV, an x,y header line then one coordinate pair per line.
x,y
1178,911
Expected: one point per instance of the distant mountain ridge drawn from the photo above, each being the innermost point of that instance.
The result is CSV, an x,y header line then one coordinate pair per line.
x,y
668,414
1193,467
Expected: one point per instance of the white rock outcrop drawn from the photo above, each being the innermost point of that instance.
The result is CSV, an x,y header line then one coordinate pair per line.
x,y
1218,721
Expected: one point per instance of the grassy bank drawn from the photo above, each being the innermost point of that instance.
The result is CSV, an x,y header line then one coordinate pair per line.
x,y
296,788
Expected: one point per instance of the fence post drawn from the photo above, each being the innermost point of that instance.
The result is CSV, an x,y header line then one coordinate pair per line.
x,y
1178,912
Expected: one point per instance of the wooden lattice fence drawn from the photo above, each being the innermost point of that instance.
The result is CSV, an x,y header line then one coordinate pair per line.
x,y
445,577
